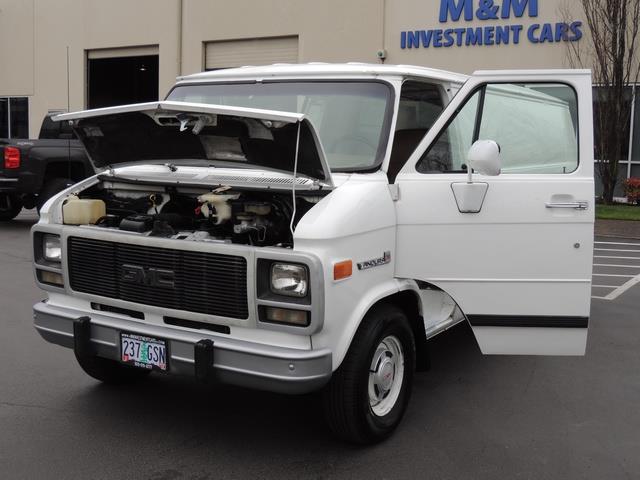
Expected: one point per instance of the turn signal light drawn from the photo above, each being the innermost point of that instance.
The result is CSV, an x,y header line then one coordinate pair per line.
x,y
52,278
285,315
11,157
342,269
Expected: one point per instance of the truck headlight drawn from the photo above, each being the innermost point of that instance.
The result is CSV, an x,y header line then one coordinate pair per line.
x,y
51,248
290,280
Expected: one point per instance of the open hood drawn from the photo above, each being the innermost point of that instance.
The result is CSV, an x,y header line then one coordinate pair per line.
x,y
193,133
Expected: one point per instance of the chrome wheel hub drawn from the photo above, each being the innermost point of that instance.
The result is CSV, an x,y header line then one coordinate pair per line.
x,y
385,375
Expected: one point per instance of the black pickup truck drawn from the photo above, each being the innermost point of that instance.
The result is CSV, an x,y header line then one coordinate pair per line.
x,y
32,171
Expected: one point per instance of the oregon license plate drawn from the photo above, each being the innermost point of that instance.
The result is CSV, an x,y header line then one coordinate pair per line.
x,y
143,352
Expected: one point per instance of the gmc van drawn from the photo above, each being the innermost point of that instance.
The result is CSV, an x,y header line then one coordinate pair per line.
x,y
300,228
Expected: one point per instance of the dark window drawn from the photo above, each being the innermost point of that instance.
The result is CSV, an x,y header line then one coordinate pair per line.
x,y
600,95
635,149
420,105
4,117
14,117
55,130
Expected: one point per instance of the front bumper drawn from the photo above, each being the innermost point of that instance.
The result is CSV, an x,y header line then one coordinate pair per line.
x,y
236,362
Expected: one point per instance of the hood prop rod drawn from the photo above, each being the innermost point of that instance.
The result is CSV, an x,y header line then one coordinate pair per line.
x,y
293,187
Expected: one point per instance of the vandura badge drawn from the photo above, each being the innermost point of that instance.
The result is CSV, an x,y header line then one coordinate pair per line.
x,y
376,262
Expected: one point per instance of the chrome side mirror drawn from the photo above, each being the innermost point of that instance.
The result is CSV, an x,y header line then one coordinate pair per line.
x,y
484,158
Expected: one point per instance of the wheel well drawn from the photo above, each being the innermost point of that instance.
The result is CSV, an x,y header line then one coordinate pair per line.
x,y
408,301
73,170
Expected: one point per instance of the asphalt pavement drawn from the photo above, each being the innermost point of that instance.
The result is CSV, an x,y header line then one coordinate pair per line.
x,y
471,416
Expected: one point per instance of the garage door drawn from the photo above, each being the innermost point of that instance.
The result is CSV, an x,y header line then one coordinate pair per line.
x,y
257,51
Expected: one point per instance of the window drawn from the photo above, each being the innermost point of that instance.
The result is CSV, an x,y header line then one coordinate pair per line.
x,y
14,117
351,118
534,124
420,105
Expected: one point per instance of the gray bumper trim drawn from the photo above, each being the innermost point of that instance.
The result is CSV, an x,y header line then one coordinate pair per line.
x,y
236,362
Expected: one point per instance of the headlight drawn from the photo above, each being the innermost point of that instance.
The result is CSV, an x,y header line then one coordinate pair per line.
x,y
290,280
51,248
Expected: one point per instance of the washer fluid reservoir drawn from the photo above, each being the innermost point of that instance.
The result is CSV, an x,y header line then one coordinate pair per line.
x,y
82,211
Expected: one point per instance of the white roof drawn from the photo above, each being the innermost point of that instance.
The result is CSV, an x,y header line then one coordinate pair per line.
x,y
325,70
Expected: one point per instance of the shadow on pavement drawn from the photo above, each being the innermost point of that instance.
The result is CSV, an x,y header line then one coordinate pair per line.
x,y
163,406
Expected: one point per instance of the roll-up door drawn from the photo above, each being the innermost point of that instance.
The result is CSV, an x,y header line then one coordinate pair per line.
x,y
257,51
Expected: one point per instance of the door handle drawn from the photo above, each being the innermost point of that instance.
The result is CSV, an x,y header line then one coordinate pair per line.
x,y
580,205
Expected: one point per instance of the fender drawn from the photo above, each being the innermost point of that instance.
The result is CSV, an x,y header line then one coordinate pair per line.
x,y
340,338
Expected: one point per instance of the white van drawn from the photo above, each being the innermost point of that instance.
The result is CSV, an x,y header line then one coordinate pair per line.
x,y
297,228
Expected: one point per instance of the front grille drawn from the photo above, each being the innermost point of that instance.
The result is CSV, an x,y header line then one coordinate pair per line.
x,y
202,282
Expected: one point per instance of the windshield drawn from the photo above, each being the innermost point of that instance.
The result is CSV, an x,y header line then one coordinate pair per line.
x,y
352,118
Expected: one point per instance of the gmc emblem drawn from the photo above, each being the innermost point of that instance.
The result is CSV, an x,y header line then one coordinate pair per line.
x,y
151,277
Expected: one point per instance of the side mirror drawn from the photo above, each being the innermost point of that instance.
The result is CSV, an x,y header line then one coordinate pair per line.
x,y
484,158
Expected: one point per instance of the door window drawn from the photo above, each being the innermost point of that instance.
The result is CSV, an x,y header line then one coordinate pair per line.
x,y
420,105
534,124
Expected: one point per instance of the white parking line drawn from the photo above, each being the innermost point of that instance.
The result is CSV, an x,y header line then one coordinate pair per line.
x,y
617,243
612,275
623,288
604,286
616,266
616,250
613,256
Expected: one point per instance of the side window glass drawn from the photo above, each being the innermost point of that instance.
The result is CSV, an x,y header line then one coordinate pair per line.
x,y
449,152
420,105
534,124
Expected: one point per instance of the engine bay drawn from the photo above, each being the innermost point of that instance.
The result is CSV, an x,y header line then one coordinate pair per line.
x,y
222,215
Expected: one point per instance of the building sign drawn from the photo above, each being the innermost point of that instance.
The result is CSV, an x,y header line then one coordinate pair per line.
x,y
490,11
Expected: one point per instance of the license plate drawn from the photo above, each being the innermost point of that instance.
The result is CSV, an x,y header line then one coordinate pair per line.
x,y
143,352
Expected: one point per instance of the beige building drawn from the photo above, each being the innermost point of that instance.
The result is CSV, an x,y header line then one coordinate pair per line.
x,y
88,53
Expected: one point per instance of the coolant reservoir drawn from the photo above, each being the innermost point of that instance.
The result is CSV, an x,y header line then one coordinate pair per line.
x,y
82,211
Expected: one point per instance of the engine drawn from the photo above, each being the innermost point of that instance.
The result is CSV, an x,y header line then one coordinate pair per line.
x,y
224,214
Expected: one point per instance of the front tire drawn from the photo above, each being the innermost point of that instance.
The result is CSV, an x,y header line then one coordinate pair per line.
x,y
368,395
10,207
110,371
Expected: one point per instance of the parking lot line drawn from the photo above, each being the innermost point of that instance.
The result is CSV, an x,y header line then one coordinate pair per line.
x,y
616,250
616,266
617,243
604,286
612,275
623,288
613,256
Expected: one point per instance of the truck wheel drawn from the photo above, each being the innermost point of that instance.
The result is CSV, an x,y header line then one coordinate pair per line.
x,y
53,186
110,371
368,395
10,207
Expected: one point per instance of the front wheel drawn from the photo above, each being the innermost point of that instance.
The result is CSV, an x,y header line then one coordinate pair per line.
x,y
368,395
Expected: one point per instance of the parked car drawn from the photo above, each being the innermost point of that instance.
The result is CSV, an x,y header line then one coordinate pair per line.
x,y
32,171
310,227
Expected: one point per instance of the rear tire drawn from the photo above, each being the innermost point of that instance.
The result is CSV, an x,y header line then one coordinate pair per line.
x,y
110,371
367,396
53,186
10,207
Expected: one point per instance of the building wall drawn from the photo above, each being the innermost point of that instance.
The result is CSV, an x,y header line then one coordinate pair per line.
x,y
34,35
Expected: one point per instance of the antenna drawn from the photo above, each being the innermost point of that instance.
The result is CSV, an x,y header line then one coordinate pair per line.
x,y
68,110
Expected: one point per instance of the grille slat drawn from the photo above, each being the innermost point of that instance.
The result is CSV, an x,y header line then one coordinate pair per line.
x,y
208,283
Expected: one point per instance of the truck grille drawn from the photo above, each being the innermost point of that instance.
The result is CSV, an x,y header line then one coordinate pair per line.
x,y
199,282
